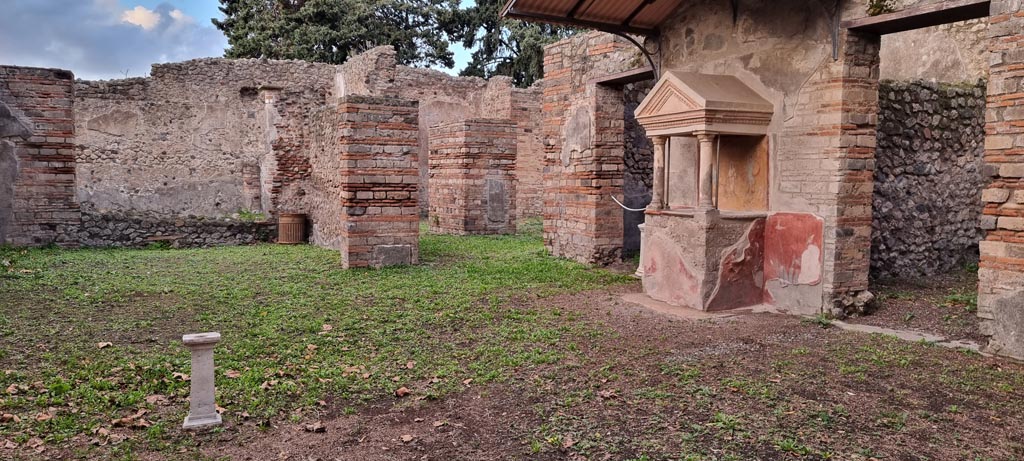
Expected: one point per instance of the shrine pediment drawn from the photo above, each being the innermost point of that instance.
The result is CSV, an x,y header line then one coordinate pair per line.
x,y
685,103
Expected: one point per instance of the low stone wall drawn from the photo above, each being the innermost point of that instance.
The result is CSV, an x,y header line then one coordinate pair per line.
x,y
928,178
140,229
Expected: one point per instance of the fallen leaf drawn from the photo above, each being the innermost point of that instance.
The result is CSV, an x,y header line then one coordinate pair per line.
x,y
245,414
7,417
12,389
218,408
366,375
608,394
568,442
327,327
232,374
9,445
101,431
402,392
467,381
410,364
418,420
440,423
316,427
104,345
157,399
34,442
407,438
181,376
142,423
44,417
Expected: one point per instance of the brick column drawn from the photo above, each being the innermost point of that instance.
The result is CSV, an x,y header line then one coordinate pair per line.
x,y
473,177
38,199
1001,276
853,159
379,170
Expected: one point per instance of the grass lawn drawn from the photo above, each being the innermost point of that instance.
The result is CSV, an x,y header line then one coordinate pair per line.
x,y
506,354
297,330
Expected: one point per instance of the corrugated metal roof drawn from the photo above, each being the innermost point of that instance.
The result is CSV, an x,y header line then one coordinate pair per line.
x,y
633,16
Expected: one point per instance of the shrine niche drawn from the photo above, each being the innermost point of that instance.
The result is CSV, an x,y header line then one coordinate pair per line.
x,y
704,233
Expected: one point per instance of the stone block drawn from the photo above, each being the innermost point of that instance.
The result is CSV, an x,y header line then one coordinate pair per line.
x,y
995,195
1011,223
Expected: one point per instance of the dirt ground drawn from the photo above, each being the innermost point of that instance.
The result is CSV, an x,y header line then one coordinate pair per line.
x,y
652,386
943,305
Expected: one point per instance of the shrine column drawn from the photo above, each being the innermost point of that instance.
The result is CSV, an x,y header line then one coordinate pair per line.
x,y
705,201
658,197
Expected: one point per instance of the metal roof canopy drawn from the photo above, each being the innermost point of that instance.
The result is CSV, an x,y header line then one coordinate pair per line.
x,y
641,17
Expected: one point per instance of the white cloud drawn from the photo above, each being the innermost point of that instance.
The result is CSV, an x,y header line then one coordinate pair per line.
x,y
92,39
142,17
180,16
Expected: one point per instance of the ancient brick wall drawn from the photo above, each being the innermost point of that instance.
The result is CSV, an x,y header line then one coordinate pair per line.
x,y
444,98
928,178
189,139
37,157
364,180
584,139
1000,292
473,177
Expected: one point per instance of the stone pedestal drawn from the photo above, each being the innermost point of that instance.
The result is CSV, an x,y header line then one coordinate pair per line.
x,y
703,260
202,408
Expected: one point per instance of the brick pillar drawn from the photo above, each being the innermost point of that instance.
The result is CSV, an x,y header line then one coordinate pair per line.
x,y
38,200
852,155
581,222
379,169
473,177
1001,276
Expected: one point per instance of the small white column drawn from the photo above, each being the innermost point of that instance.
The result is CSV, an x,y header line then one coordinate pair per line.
x,y
640,268
707,157
202,410
658,192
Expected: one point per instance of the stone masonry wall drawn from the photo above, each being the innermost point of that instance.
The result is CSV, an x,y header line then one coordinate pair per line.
x,y
365,179
188,139
37,161
141,229
928,178
473,177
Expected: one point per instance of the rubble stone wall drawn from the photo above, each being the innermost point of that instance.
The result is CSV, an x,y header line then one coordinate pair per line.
x,y
37,157
928,178
194,138
639,156
140,229
473,177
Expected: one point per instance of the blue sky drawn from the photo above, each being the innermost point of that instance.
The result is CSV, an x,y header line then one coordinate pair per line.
x,y
102,39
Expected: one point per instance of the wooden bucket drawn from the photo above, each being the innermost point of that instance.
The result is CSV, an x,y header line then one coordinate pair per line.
x,y
291,228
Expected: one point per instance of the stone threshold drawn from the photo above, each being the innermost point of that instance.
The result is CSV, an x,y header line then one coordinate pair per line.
x,y
644,301
913,336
